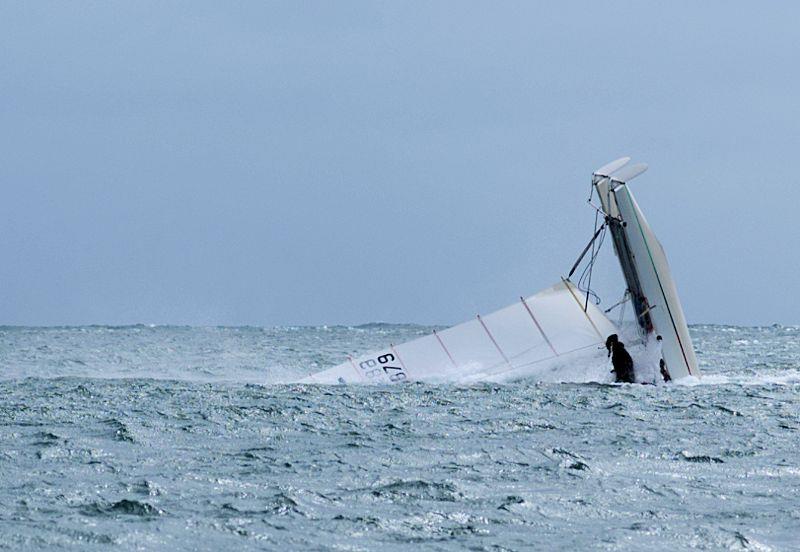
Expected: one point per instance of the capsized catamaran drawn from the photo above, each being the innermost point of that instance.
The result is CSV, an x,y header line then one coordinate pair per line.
x,y
553,329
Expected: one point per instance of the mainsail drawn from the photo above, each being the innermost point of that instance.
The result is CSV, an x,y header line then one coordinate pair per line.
x,y
644,266
521,340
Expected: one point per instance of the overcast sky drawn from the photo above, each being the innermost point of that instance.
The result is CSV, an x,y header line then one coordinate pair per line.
x,y
345,162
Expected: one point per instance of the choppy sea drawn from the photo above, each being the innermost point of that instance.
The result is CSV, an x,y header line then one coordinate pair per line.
x,y
187,438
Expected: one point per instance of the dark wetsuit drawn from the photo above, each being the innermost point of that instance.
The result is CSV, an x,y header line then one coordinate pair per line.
x,y
664,371
623,363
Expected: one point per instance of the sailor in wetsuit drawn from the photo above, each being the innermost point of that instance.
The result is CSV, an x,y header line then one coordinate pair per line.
x,y
661,364
622,361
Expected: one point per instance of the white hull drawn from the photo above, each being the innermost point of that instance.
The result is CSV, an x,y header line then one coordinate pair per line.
x,y
647,274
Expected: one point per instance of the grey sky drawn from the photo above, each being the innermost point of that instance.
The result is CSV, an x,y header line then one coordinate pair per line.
x,y
342,162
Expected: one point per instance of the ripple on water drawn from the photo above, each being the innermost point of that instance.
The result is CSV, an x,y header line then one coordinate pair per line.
x,y
165,438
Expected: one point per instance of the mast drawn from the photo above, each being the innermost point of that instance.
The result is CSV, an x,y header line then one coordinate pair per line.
x,y
632,281
604,185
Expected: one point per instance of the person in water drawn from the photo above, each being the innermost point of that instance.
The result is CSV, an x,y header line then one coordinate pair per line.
x,y
661,364
665,372
648,366
622,361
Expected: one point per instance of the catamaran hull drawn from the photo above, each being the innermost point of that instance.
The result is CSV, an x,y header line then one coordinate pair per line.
x,y
647,274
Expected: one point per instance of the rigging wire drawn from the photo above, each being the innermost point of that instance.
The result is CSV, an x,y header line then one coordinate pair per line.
x,y
591,269
625,298
622,310
591,190
584,283
585,280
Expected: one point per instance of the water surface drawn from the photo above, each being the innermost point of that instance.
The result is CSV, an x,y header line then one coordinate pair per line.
x,y
192,438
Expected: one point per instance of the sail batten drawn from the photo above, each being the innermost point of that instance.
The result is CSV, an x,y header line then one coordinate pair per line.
x,y
538,326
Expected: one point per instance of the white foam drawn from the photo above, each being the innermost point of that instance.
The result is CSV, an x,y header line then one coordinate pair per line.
x,y
783,377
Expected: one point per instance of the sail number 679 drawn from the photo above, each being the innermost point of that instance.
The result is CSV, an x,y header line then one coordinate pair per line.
x,y
383,364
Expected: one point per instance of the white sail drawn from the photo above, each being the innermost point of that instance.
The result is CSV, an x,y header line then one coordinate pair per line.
x,y
521,340
647,273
